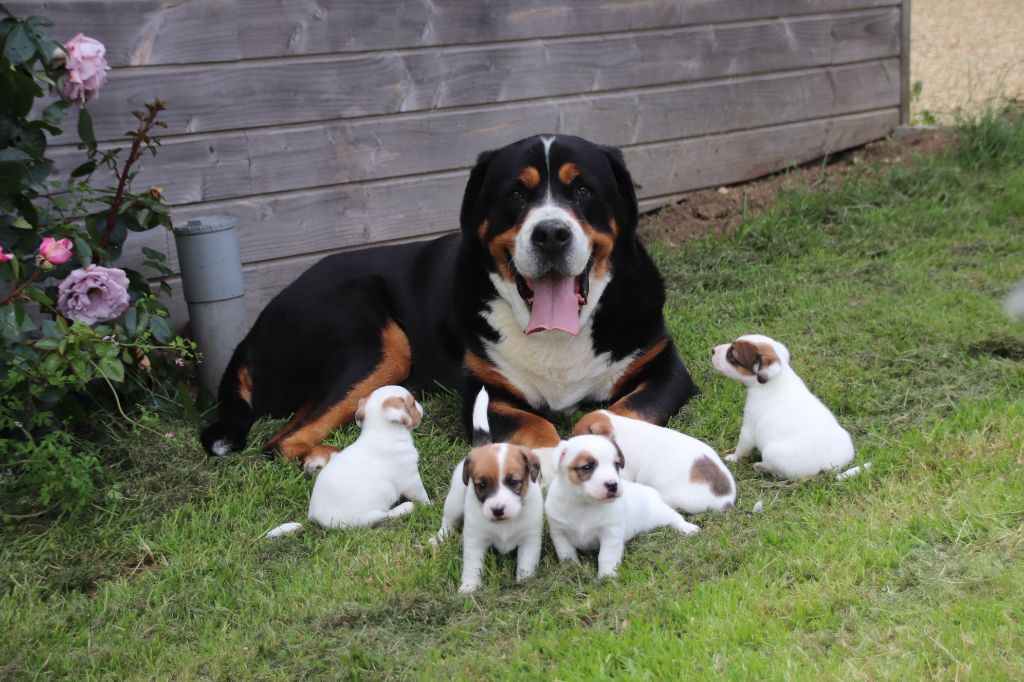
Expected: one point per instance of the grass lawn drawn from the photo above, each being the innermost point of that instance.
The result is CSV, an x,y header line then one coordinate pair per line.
x,y
887,290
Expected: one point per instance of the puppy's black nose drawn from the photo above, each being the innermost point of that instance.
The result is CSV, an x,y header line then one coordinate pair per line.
x,y
498,512
612,486
551,237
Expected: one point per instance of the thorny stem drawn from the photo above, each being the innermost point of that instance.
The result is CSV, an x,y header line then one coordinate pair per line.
x,y
17,290
141,135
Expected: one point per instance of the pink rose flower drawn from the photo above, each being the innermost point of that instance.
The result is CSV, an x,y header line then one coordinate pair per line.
x,y
86,70
55,251
93,294
4,257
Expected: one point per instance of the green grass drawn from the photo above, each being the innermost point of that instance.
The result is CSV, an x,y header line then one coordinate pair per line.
x,y
887,290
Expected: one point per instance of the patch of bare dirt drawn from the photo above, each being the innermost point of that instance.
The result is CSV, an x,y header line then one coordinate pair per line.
x,y
720,211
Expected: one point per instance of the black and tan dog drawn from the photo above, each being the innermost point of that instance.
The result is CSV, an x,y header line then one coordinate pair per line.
x,y
546,297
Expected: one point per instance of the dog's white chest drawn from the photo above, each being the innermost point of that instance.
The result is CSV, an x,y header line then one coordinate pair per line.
x,y
554,370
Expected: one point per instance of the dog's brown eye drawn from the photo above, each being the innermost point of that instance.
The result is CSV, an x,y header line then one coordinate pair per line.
x,y
587,467
583,191
481,485
512,482
515,196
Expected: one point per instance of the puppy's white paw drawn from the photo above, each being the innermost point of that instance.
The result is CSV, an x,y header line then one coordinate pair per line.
x,y
607,575
468,588
687,528
760,467
523,575
731,458
312,465
402,509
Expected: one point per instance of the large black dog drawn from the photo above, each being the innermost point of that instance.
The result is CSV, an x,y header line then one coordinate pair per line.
x,y
546,297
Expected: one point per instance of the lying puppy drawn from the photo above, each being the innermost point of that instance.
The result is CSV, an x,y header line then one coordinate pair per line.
x,y
589,506
686,472
492,495
360,484
797,435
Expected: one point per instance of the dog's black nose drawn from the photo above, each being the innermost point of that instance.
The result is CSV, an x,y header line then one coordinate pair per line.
x,y
551,237
498,512
612,486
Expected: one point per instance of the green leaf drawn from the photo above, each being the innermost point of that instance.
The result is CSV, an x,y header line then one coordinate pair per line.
x,y
161,329
14,154
47,343
14,177
153,254
21,224
54,113
19,48
131,317
112,368
38,296
83,249
85,131
85,169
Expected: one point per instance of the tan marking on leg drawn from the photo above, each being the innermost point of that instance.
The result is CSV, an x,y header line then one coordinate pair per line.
x,y
393,368
568,172
534,431
637,366
489,374
245,384
704,470
530,177
619,407
597,423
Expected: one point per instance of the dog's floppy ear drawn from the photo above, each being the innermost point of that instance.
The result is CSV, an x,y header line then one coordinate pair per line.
x,y
467,470
767,369
361,412
532,463
558,453
620,460
624,182
596,423
472,193
414,410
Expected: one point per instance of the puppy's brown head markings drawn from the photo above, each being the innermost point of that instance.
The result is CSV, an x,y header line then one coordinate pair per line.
x,y
488,467
752,359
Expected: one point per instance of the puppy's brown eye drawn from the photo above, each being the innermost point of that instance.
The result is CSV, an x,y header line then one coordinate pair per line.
x,y
512,482
587,467
481,485
583,192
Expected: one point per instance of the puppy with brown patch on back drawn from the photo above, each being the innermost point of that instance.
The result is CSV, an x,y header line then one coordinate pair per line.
x,y
590,506
496,497
686,472
546,297
797,435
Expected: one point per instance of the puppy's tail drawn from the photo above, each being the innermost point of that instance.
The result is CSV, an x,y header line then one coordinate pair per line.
x,y
481,428
235,415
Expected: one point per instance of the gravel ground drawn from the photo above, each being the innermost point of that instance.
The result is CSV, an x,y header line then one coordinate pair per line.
x,y
965,53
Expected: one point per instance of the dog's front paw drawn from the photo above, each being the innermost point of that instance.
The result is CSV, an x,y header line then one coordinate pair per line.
x,y
402,509
687,528
523,574
731,458
607,575
468,588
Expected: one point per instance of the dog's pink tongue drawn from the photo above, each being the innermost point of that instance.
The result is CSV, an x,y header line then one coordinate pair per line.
x,y
555,305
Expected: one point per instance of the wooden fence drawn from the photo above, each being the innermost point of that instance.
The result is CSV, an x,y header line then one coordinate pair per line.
x,y
332,124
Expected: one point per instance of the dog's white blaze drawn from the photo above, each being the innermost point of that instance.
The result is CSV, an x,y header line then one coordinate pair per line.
x,y
553,369
221,447
504,497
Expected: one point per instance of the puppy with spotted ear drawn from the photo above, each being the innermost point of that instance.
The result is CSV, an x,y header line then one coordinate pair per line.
x,y
361,484
796,434
496,497
686,472
590,506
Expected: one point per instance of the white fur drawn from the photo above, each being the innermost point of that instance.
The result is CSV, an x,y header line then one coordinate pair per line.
x,y
360,484
520,529
554,370
1014,302
796,434
590,516
532,264
663,459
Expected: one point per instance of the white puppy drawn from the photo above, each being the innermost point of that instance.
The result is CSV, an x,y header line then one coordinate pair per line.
x,y
360,484
589,506
686,472
494,496
797,435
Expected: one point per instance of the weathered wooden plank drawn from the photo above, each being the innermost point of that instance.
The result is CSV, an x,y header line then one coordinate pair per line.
x,y
151,32
238,164
668,168
905,62
348,216
244,95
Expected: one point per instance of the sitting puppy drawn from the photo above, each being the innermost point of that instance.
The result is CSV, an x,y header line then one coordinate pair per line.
x,y
797,435
589,506
494,497
360,484
686,472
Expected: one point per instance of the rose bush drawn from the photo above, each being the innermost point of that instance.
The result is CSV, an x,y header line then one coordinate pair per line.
x,y
83,344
